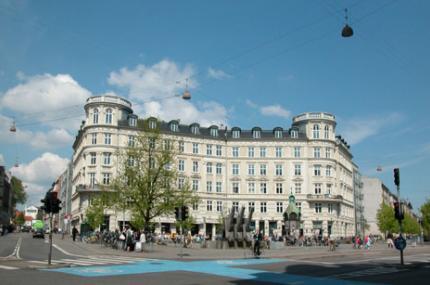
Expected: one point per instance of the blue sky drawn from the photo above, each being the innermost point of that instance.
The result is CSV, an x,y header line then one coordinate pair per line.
x,y
248,62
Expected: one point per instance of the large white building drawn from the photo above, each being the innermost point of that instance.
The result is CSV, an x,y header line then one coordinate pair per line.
x,y
228,168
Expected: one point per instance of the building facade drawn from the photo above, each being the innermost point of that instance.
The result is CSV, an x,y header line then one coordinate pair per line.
x,y
30,214
6,208
65,194
228,168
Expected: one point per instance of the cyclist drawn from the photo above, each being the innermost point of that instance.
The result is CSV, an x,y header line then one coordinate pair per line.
x,y
258,237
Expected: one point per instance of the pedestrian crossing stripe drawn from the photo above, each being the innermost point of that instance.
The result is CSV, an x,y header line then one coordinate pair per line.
x,y
93,260
8,267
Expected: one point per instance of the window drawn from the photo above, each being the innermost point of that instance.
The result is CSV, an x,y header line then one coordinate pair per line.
x,y
214,132
209,149
278,151
151,142
326,132
278,171
131,141
195,185
93,159
108,138
219,168
263,188
209,167
250,151
256,134
96,116
278,134
296,151
328,171
235,151
235,187
94,138
317,152
195,166
262,151
152,124
195,129
263,169
279,207
181,182
181,165
327,152
108,119
316,132
106,178
251,206
294,134
209,206
317,188
263,207
132,121
92,179
209,186
251,169
195,206
195,148
317,170
236,207
106,158
279,189
297,169
181,146
174,127
235,169
328,187
219,206
218,150
317,207
166,145
297,188
251,187
236,134
330,208
219,187
299,206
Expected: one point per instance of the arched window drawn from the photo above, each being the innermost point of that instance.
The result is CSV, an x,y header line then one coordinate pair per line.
x,y
316,132
96,116
108,119
214,132
236,133
174,127
326,132
195,129
256,133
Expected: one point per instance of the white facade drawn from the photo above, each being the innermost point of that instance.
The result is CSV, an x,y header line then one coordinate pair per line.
x,y
251,168
30,211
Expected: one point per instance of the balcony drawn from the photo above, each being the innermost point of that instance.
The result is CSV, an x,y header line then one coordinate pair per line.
x,y
324,197
89,188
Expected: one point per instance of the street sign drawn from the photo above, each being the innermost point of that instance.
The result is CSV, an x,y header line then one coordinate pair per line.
x,y
400,243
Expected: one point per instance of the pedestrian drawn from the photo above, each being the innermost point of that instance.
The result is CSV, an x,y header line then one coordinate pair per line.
x,y
74,233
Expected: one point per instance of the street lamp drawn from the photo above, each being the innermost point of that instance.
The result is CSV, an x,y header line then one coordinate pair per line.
x,y
347,30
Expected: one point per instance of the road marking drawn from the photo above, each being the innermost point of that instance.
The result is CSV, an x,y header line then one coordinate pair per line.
x,y
66,252
8,267
18,248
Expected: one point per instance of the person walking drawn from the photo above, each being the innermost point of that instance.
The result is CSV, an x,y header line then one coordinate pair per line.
x,y
74,233
257,243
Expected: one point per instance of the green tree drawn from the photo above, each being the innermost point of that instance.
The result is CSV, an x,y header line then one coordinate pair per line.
x,y
19,195
385,219
410,225
425,216
95,212
20,220
147,180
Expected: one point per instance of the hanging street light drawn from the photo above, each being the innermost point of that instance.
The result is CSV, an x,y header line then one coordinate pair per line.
x,y
347,30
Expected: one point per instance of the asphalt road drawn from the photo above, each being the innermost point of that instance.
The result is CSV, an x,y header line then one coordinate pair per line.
x,y
93,265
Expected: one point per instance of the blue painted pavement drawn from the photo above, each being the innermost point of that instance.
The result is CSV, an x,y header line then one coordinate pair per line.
x,y
225,268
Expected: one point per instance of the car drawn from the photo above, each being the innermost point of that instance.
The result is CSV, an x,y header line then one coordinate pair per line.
x,y
38,233
26,229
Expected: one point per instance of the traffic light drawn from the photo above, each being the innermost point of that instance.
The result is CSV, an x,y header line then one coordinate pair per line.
x,y
398,213
185,213
177,216
397,176
46,203
55,203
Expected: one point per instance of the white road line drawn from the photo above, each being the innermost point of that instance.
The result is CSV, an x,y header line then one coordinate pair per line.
x,y
93,261
18,247
110,260
66,252
122,258
79,262
8,267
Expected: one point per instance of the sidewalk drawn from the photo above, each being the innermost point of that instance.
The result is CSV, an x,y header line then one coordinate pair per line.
x,y
171,251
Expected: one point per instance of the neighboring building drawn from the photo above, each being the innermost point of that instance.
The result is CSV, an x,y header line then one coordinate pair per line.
x,y
65,195
360,220
6,208
228,168
30,214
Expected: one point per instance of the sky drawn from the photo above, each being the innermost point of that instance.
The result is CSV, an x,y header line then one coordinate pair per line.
x,y
246,63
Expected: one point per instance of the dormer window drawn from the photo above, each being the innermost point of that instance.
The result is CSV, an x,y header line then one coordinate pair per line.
x,y
214,132
294,134
278,133
152,124
256,133
108,118
236,134
316,132
132,121
326,132
96,116
195,129
174,127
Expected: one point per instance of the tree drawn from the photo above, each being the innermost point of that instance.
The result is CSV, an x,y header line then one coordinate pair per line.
x,y
95,212
425,216
385,219
147,180
19,195
20,220
410,225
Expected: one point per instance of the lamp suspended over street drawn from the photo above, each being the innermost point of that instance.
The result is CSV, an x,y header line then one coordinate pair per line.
x,y
186,95
347,30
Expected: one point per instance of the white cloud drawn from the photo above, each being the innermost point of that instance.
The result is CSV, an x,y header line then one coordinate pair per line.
x,y
357,130
2,161
159,83
218,74
42,170
270,110
43,98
